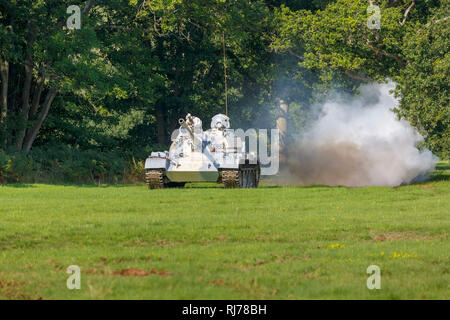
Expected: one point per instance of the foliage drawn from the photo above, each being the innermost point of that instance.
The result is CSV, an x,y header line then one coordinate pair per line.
x,y
121,82
424,83
62,164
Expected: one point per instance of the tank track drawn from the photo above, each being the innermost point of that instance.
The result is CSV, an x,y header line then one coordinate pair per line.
x,y
249,176
246,177
154,179
230,178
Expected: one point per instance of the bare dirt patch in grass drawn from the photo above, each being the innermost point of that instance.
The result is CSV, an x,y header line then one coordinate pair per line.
x,y
130,272
13,290
218,282
221,237
133,272
408,235
425,186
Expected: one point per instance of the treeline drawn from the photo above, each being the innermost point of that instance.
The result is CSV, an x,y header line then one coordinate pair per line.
x,y
83,105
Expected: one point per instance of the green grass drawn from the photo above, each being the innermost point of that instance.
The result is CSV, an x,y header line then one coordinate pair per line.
x,y
211,243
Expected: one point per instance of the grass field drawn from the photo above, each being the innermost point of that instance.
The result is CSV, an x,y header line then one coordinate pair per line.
x,y
213,243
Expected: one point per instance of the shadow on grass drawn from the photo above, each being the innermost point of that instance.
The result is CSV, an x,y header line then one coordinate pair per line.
x,y
212,185
438,177
443,166
81,185
441,173
95,185
18,185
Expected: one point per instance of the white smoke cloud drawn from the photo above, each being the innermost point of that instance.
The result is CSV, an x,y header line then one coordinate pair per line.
x,y
360,142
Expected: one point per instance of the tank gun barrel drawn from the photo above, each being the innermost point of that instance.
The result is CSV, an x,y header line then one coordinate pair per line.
x,y
185,127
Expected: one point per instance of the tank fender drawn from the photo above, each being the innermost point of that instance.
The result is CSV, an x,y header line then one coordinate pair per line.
x,y
158,160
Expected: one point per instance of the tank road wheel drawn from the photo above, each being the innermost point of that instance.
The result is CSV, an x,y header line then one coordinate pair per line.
x,y
230,178
249,176
154,179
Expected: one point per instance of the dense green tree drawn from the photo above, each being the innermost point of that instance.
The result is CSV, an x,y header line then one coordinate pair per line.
x,y
423,85
39,58
193,42
136,66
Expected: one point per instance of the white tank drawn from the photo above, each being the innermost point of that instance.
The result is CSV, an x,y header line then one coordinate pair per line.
x,y
214,155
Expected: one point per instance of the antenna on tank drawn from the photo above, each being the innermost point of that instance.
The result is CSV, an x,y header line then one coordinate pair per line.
x,y
225,73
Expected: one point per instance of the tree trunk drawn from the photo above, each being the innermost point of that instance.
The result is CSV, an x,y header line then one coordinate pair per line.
x,y
27,86
282,128
4,74
42,115
88,7
37,96
161,124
